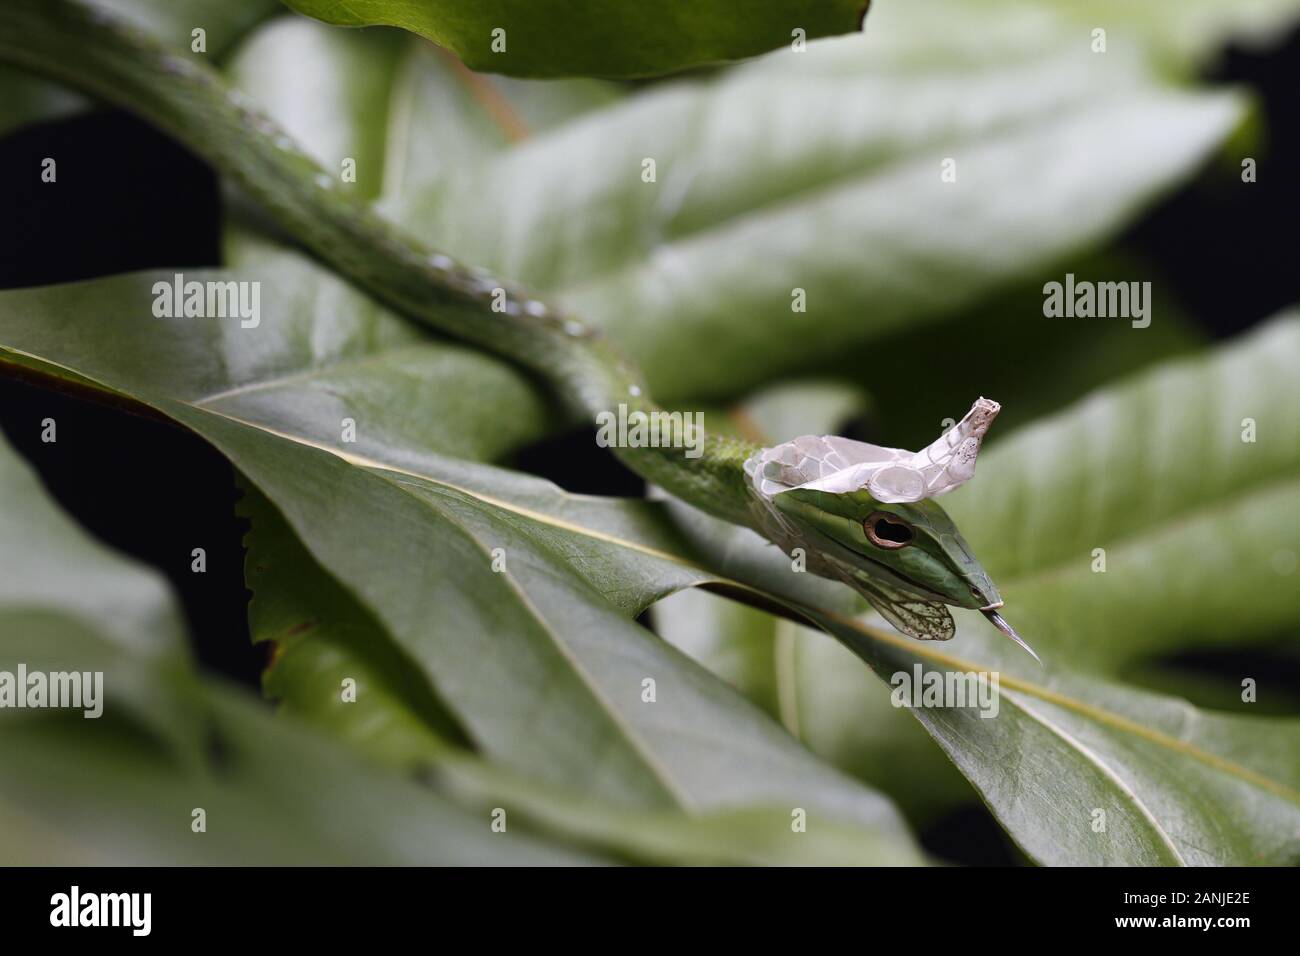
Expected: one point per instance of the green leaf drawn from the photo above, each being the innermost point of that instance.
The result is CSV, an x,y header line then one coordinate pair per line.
x,y
487,167
121,787
324,352
850,209
274,795
538,663
272,792
542,182
174,21
1008,335
322,636
1084,731
1176,785
69,603
1186,32
585,38
823,166
26,99
1200,530
842,201
544,676
1152,470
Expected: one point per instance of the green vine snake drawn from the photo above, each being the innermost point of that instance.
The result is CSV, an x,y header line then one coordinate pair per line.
x,y
861,514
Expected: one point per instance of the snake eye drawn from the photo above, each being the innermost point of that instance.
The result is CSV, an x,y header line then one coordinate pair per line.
x,y
885,531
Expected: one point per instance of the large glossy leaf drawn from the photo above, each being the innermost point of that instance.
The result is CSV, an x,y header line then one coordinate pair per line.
x,y
323,353
322,637
272,792
1186,476
1147,762
440,125
586,38
167,742
824,166
1197,525
542,673
539,662
1092,728
1174,785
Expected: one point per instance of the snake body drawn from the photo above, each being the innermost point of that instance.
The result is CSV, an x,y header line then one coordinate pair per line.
x,y
112,60
853,536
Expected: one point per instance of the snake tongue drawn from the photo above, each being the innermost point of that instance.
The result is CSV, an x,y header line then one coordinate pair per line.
x,y
1000,623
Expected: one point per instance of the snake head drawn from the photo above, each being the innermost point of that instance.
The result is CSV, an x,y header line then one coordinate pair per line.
x,y
906,558
913,545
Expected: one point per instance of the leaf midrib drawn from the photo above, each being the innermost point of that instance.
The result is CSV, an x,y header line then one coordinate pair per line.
x,y
1097,714
1106,770
657,770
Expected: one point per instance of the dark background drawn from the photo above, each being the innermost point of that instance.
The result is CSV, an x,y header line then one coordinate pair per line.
x,y
154,490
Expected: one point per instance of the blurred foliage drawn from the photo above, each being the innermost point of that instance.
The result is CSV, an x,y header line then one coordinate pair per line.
x,y
541,38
